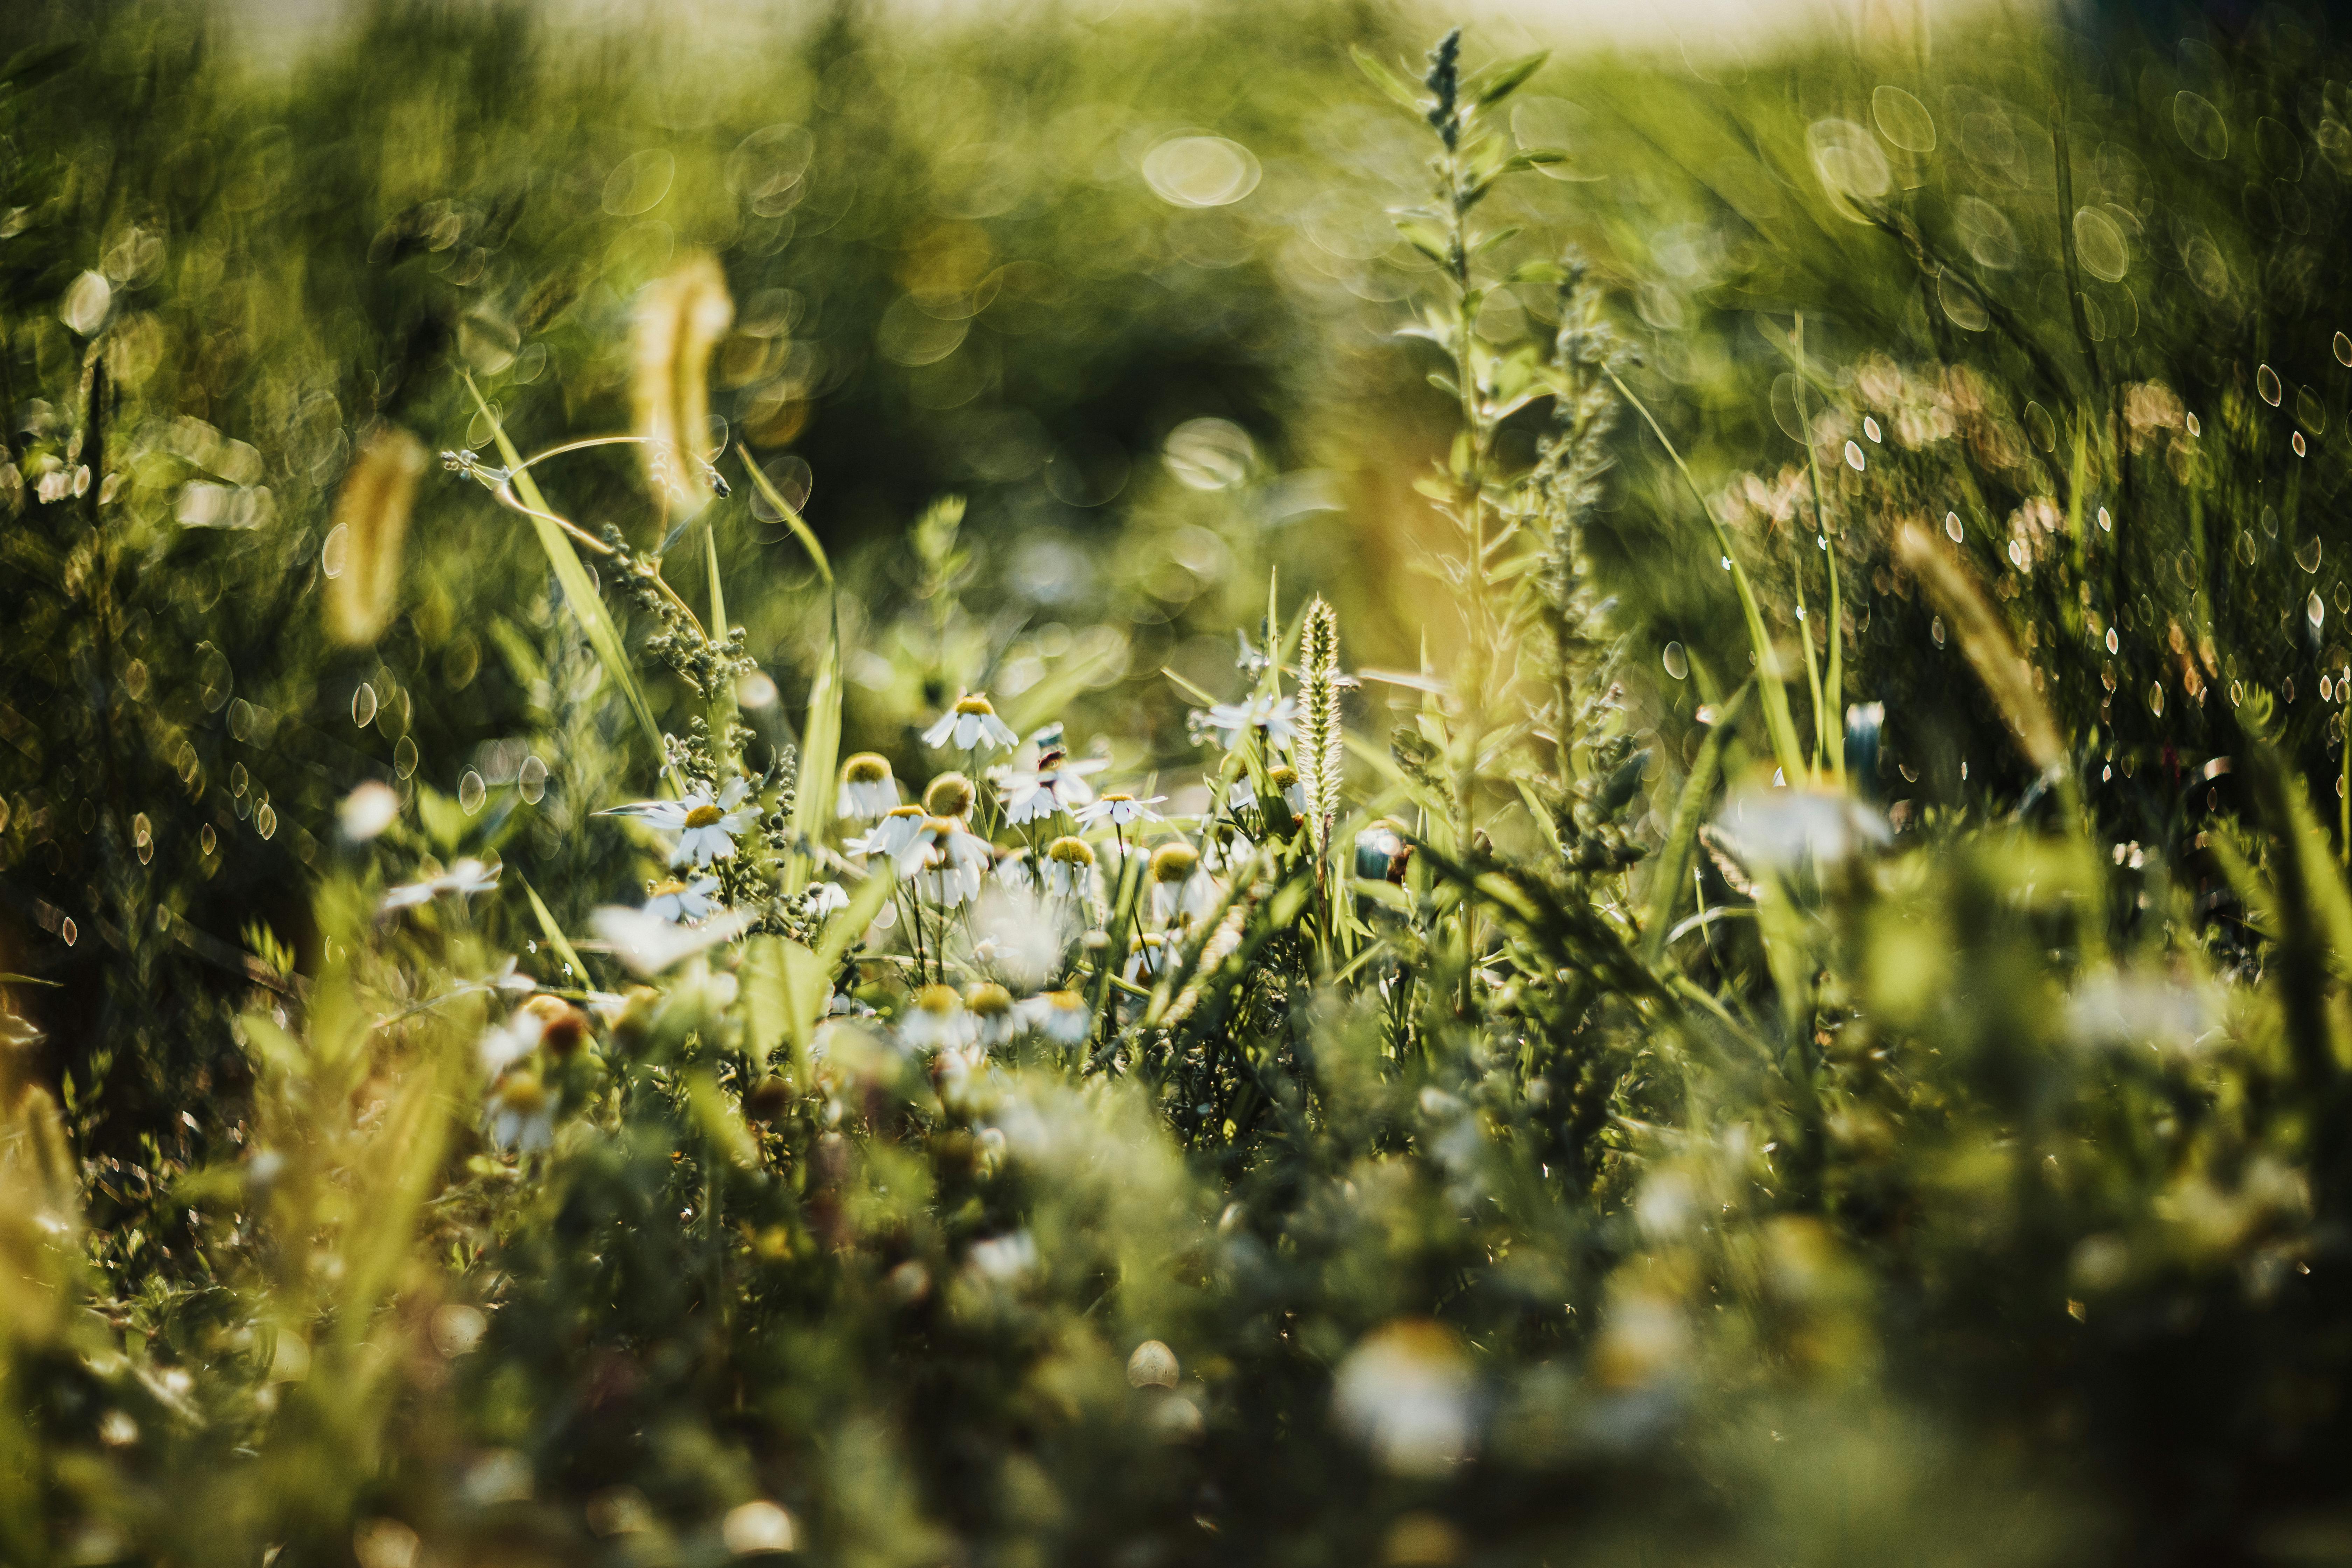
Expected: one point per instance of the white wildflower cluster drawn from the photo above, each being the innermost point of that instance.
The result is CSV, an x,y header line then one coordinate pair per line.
x,y
1010,871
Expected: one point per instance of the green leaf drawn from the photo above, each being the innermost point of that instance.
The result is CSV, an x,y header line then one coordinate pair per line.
x,y
819,750
720,1119
1429,238
1497,82
1186,687
1388,80
791,515
846,926
1674,861
441,817
1537,272
769,1013
554,933
579,590
1778,723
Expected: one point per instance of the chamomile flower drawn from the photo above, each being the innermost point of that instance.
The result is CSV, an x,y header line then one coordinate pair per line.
x,y
563,1027
993,1017
968,724
868,788
1294,794
1060,1016
1069,868
1148,955
465,879
1276,717
936,1019
521,1112
940,880
1120,809
1241,795
950,795
1182,889
963,850
506,1044
649,944
1055,783
891,835
679,901
706,827
1014,870
827,898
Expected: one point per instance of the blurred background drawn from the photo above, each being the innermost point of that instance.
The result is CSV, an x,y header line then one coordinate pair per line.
x,y
1122,278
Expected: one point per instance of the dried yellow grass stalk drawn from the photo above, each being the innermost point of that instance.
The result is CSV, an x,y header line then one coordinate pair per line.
x,y
1984,638
681,319
362,553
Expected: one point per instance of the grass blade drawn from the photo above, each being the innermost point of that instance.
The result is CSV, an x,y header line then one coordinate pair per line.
x,y
1776,720
579,589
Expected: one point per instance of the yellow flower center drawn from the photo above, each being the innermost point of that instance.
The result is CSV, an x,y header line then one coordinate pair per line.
x,y
703,815
1070,851
950,795
865,767
988,999
1175,862
976,705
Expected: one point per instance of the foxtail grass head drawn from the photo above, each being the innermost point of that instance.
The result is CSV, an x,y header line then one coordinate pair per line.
x,y
361,558
680,318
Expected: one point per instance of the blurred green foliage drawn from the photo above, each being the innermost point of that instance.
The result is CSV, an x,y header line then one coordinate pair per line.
x,y
1752,968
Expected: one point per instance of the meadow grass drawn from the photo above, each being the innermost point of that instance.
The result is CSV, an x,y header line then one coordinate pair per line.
x,y
1140,794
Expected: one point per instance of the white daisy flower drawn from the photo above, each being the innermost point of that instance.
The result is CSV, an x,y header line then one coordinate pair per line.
x,y
1182,889
891,835
936,1019
1069,868
827,898
521,1112
465,879
677,900
1148,956
994,1019
649,944
367,811
1014,870
506,1044
964,849
1055,784
1785,829
1241,795
706,827
1294,794
868,788
970,721
1060,1016
1277,718
1120,809
939,879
